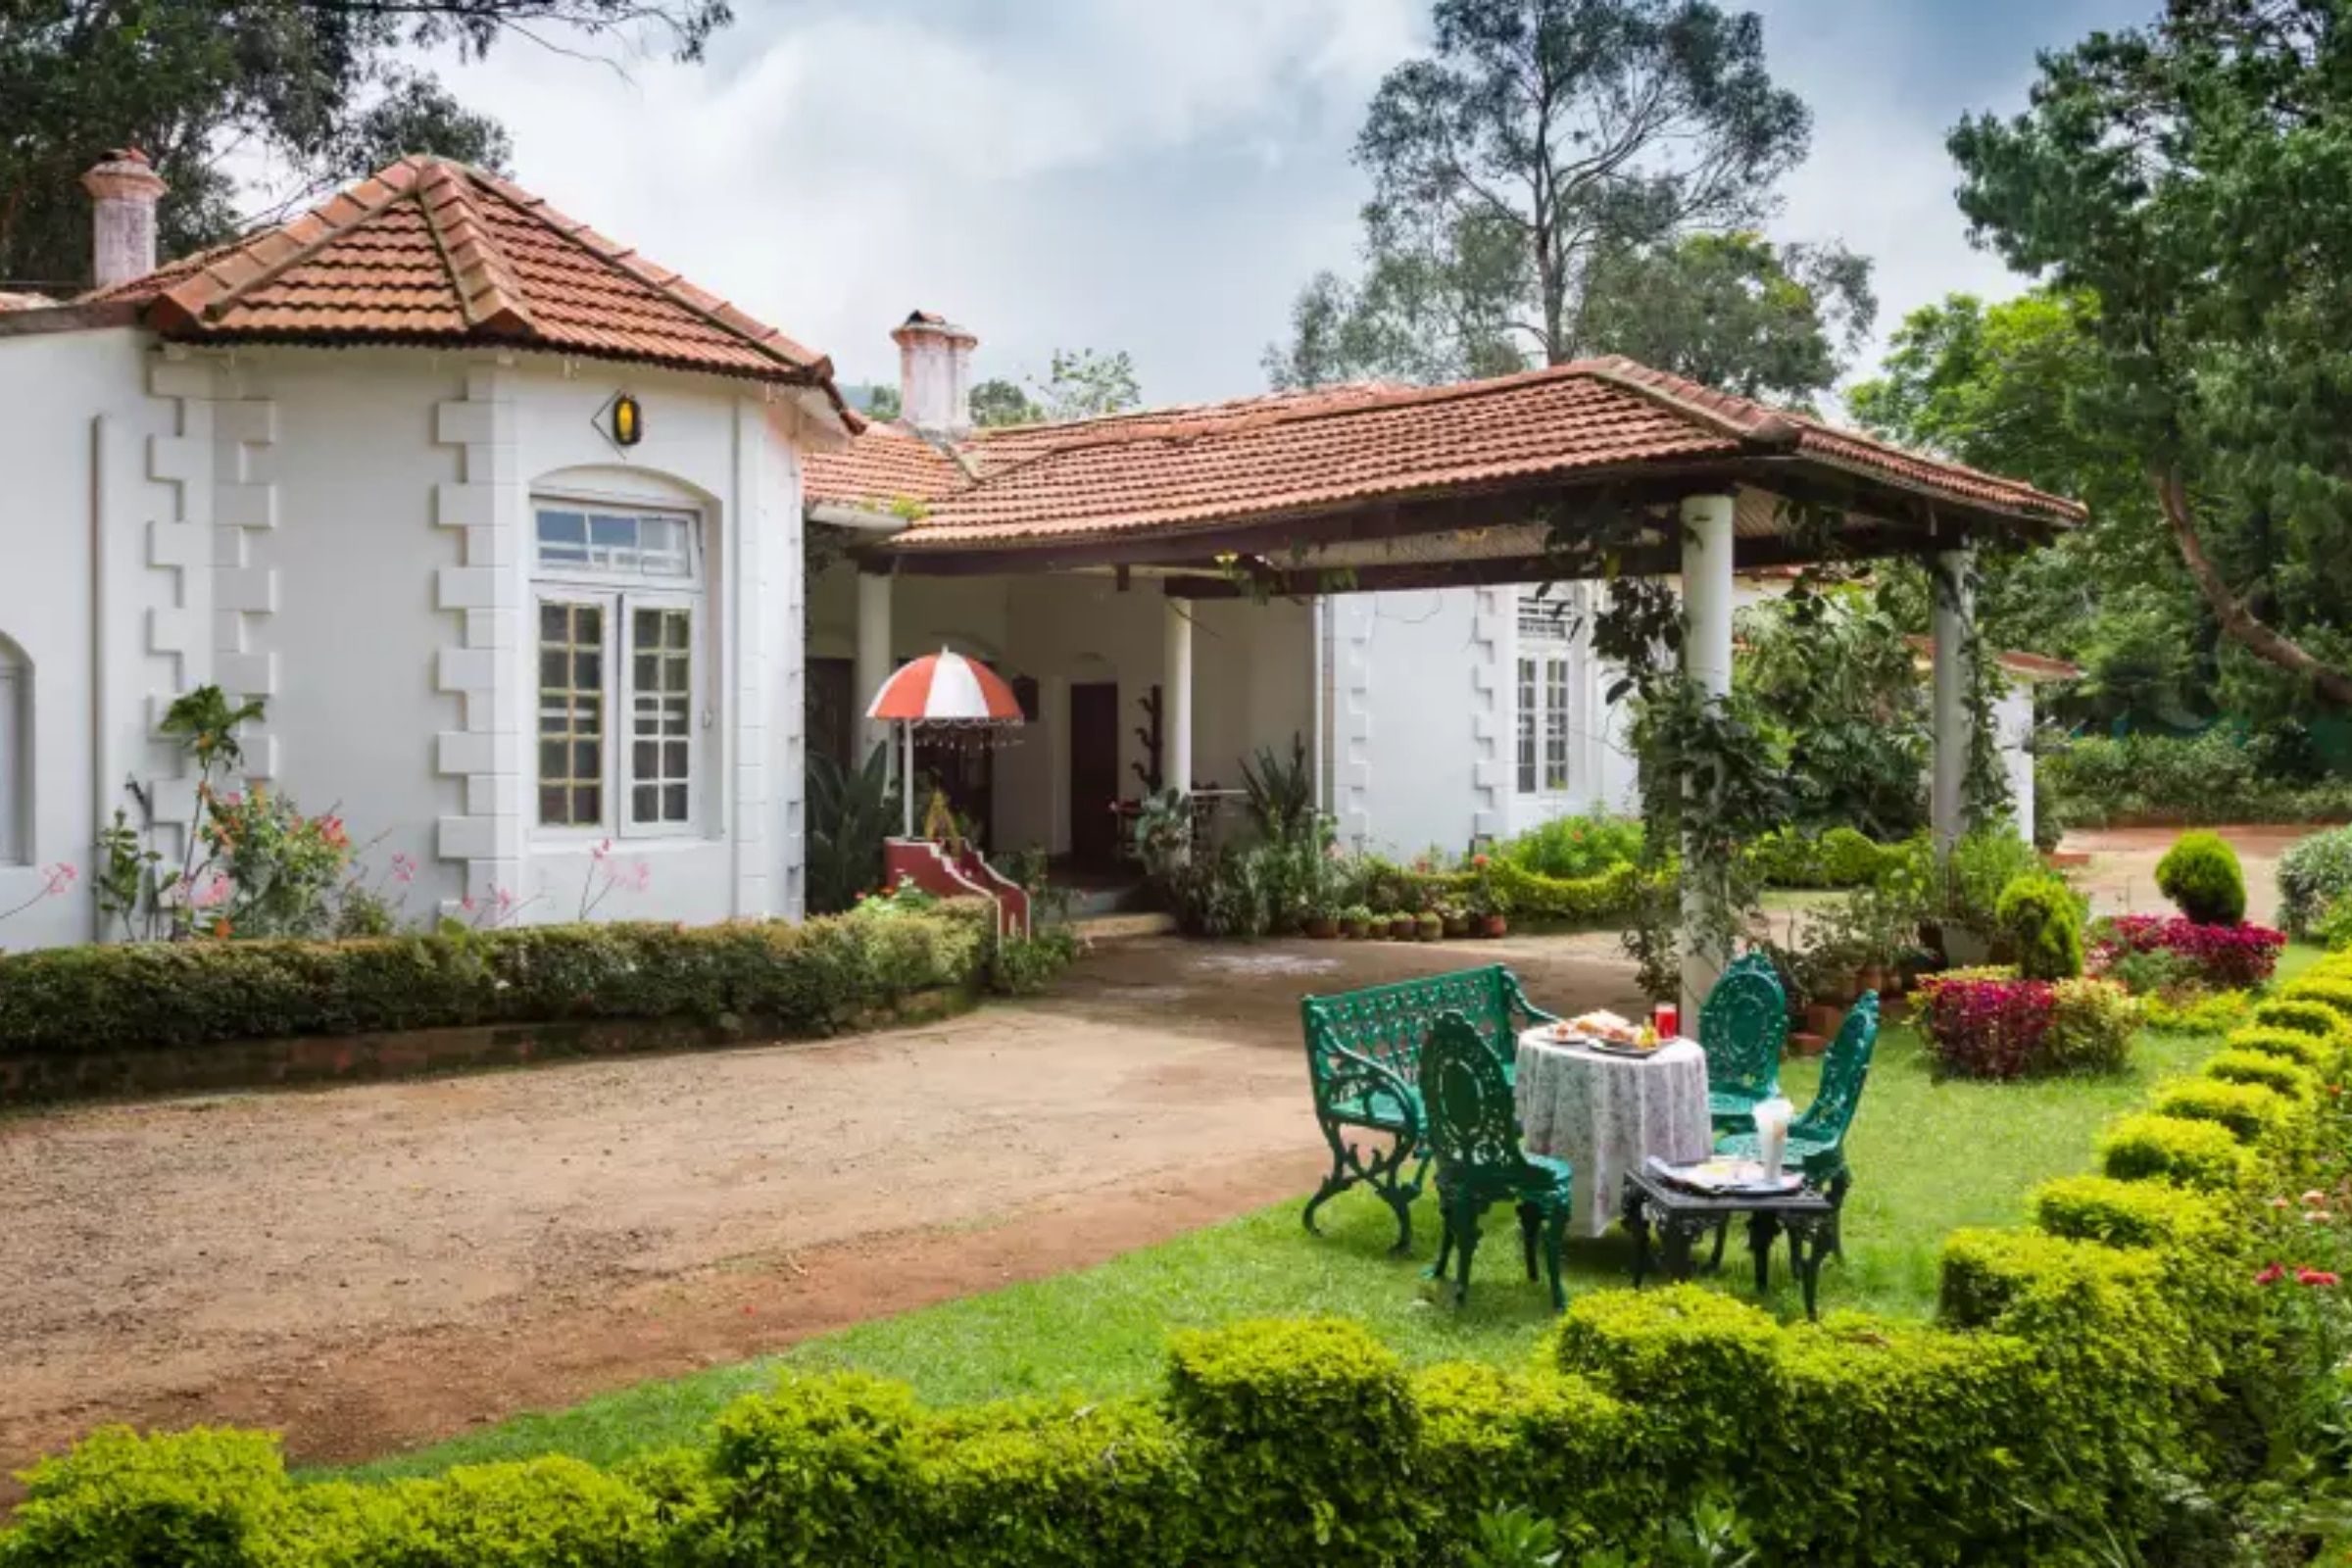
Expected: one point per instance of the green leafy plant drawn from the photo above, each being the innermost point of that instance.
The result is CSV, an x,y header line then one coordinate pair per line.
x,y
2042,918
1280,793
2200,875
851,811
2315,874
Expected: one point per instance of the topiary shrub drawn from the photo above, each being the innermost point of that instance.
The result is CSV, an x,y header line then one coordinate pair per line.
x,y
1849,858
200,1499
1300,1431
1679,1351
2122,1213
2256,1115
2294,1044
2043,917
2201,875
2275,1074
2200,1154
1542,1439
2328,990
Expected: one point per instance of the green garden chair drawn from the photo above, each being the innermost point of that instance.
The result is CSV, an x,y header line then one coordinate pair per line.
x,y
1741,1027
1473,1131
1817,1138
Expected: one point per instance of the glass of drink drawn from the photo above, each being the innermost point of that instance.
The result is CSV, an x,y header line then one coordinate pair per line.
x,y
1667,1018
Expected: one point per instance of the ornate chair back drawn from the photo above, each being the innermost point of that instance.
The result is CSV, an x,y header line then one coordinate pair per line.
x,y
1843,1071
1473,1120
1741,1027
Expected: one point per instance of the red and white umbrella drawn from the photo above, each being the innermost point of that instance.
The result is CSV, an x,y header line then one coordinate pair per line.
x,y
946,688
942,688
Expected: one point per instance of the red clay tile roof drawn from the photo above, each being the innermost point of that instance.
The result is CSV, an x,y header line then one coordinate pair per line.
x,y
1300,452
430,250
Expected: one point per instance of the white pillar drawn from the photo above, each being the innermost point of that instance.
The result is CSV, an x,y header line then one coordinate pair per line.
x,y
1176,699
1954,610
872,664
1708,661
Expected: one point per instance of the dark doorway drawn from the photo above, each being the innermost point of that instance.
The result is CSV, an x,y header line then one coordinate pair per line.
x,y
1094,773
832,710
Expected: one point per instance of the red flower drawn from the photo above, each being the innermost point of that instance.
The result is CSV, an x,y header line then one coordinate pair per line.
x,y
2314,1276
1478,861
2272,1275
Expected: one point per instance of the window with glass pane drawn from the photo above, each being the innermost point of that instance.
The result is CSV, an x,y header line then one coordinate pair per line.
x,y
661,720
571,715
1555,724
1527,727
636,544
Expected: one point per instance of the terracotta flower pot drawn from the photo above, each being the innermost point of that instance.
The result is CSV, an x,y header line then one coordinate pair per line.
x,y
1322,927
1430,928
1404,928
1494,925
1872,977
1823,1018
1458,925
1356,930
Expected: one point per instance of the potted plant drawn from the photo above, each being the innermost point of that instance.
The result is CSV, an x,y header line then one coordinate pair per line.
x,y
1431,925
1322,923
1404,928
1357,921
1457,920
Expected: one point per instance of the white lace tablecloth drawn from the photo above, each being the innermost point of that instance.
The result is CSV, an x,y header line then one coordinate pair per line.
x,y
1606,1114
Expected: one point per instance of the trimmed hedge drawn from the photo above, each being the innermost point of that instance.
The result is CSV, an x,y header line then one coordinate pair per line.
x,y
2277,1074
2201,875
2084,1384
811,978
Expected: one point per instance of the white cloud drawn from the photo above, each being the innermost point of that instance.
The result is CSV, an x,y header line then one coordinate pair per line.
x,y
1154,176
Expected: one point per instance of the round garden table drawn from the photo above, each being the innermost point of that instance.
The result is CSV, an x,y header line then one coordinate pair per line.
x,y
1606,1114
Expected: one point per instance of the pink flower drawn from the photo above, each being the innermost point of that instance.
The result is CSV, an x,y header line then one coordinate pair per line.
x,y
466,903
59,877
601,851
404,869
641,876
2272,1275
2315,1198
2319,1277
2282,1200
213,893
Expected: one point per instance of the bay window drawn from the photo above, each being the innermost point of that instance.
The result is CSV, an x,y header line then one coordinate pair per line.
x,y
618,611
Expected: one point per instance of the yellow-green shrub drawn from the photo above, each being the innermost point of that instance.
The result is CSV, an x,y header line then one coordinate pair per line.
x,y
2128,1213
2277,1074
2193,1154
2294,1044
2257,1116
1540,1439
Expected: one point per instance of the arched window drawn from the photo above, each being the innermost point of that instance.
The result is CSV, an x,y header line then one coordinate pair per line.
x,y
15,754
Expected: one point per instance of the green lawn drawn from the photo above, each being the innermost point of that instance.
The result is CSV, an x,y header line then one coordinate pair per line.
x,y
1929,1157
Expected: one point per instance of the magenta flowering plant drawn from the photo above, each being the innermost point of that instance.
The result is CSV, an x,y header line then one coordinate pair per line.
x,y
2227,957
1988,1028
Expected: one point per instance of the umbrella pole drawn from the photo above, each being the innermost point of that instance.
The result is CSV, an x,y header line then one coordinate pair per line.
x,y
906,785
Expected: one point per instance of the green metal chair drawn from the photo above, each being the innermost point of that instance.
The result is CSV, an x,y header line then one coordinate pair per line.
x,y
1363,1056
1817,1138
1741,1027
1473,1130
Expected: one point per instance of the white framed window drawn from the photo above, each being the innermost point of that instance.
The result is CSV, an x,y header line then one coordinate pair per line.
x,y
1543,689
16,759
618,610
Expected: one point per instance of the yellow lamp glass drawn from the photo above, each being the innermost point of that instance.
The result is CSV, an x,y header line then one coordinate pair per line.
x,y
628,422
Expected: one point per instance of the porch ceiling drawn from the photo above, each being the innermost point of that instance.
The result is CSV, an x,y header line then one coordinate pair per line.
x,y
1394,487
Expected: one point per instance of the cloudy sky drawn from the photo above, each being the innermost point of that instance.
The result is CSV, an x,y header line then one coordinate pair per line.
x,y
1149,174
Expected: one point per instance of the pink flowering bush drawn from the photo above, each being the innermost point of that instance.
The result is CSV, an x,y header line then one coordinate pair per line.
x,y
1988,1023
2225,957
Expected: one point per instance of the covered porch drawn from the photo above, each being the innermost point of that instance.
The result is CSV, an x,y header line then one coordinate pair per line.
x,y
1207,544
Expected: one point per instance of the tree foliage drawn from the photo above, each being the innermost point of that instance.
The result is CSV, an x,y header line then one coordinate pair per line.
x,y
2023,387
1086,384
1536,183
2196,176
1002,402
326,86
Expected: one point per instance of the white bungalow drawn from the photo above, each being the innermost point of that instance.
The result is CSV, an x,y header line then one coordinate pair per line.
x,y
508,526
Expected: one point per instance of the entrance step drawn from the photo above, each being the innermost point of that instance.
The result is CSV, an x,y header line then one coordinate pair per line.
x,y
1116,927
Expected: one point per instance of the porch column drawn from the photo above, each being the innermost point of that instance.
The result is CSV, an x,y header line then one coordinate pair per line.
x,y
1952,618
1176,697
872,666
1707,661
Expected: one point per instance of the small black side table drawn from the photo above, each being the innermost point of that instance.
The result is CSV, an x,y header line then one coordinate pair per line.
x,y
1680,1217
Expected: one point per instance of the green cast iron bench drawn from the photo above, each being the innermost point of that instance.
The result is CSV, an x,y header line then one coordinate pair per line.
x,y
1363,1062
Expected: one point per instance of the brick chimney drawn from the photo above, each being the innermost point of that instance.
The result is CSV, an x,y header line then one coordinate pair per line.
x,y
123,188
934,373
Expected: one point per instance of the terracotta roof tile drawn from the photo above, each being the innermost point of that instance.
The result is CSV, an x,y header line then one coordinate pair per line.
x,y
433,251
1290,453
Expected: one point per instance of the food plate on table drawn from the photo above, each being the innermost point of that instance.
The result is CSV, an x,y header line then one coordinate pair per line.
x,y
1607,1033
1727,1178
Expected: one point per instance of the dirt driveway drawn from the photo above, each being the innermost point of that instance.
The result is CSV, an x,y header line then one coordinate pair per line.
x,y
373,1267
2121,878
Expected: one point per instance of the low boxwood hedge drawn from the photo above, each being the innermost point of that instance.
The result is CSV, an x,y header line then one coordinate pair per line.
x,y
2081,1384
809,978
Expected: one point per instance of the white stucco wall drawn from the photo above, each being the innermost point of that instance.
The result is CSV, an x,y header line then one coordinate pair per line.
x,y
345,534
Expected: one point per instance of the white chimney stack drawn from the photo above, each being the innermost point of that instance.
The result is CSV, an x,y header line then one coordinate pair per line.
x,y
934,373
125,188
